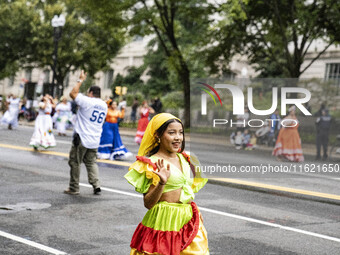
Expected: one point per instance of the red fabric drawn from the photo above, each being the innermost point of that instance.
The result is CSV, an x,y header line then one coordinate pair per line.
x,y
166,242
147,160
143,122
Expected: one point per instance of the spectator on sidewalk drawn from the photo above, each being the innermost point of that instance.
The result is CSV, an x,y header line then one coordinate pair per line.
x,y
134,110
121,106
323,124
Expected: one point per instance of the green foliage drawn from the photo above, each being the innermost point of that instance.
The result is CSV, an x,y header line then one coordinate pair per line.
x,y
132,80
130,98
173,100
274,35
86,42
86,85
17,21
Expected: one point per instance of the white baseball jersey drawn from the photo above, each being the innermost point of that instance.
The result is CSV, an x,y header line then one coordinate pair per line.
x,y
90,118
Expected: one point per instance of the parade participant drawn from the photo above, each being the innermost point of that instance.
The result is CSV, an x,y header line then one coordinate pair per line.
x,y
143,121
162,172
111,145
10,117
323,124
288,143
43,135
87,130
63,116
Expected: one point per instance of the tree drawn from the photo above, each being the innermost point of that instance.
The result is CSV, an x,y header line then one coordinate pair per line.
x,y
160,82
275,35
16,25
86,43
173,23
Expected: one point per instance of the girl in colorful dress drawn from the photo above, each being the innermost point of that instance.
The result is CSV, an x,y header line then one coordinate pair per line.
x,y
10,117
111,145
173,225
63,116
143,121
43,135
288,143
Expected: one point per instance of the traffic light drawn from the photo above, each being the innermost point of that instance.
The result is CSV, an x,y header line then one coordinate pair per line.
x,y
118,90
124,90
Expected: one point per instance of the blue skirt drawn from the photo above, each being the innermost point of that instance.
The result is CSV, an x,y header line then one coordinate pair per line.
x,y
111,145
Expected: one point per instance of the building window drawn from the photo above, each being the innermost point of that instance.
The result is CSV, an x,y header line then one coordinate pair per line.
x,y
108,80
67,80
333,74
28,74
11,81
46,76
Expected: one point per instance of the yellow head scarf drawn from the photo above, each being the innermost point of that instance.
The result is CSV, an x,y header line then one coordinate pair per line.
x,y
149,136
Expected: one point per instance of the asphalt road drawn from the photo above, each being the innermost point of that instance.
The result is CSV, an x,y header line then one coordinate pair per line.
x,y
37,218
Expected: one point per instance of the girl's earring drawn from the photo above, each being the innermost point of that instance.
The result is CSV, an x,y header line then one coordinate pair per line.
x,y
159,140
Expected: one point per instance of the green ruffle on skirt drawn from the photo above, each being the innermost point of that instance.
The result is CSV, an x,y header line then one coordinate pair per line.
x,y
166,216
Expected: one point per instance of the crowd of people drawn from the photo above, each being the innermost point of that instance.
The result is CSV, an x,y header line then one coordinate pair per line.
x,y
51,114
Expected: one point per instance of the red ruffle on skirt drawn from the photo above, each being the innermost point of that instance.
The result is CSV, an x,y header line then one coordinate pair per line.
x,y
166,242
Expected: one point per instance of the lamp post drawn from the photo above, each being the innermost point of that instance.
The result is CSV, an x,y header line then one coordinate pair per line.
x,y
57,23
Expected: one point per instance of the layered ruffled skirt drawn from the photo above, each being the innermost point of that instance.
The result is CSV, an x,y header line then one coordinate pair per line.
x,y
288,145
170,229
111,145
10,118
142,124
43,135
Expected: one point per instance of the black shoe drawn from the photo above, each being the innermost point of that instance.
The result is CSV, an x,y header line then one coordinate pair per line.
x,y
317,158
97,191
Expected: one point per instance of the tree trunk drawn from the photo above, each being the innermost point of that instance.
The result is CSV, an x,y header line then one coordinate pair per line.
x,y
184,76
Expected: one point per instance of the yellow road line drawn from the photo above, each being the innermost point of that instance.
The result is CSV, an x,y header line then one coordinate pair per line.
x,y
278,188
226,180
61,154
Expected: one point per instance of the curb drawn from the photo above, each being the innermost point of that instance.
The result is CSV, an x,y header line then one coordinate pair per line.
x,y
276,192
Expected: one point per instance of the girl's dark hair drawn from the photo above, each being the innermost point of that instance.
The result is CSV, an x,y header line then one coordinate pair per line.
x,y
159,132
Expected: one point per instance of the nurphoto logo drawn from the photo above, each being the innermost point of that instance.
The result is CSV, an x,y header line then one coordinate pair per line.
x,y
239,103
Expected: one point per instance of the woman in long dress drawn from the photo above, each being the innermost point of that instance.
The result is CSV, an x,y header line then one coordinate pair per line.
x,y
10,117
163,172
111,145
63,116
43,135
144,112
288,143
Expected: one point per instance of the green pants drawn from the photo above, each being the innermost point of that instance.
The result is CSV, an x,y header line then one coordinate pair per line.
x,y
80,154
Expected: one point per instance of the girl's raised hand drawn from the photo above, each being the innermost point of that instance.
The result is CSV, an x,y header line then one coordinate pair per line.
x,y
162,172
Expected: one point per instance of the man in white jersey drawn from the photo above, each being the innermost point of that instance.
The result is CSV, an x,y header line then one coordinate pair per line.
x,y
86,138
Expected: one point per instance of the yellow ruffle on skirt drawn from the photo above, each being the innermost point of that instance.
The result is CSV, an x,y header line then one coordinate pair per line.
x,y
199,246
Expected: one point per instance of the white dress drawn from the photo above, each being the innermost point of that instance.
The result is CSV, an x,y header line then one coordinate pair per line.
x,y
11,115
64,116
43,135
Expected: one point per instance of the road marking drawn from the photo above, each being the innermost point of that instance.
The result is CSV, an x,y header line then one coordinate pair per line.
x,y
278,188
62,154
226,180
233,216
31,243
